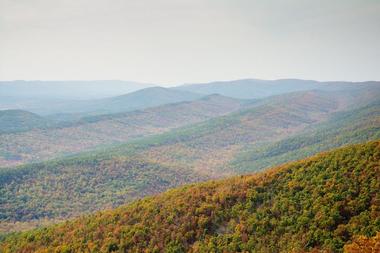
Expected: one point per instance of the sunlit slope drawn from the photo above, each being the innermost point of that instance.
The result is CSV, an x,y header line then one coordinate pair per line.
x,y
318,203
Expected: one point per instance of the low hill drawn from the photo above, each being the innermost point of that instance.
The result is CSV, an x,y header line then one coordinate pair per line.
x,y
320,203
19,120
255,88
89,132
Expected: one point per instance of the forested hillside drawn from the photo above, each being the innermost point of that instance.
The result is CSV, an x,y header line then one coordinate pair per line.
x,y
352,126
66,188
321,203
216,148
54,139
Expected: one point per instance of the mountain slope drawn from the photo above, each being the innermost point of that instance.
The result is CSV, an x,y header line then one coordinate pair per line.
x,y
318,203
203,150
254,88
66,188
67,138
353,126
210,146
19,120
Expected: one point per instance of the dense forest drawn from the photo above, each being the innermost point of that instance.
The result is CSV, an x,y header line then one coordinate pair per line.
x,y
327,202
66,188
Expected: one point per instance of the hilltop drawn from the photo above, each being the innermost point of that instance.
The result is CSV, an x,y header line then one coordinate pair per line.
x,y
322,202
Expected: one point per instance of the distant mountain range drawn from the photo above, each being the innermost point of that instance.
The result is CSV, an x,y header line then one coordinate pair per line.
x,y
254,88
100,97
141,99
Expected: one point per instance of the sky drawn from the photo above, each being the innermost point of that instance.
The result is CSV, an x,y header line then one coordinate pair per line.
x,y
171,42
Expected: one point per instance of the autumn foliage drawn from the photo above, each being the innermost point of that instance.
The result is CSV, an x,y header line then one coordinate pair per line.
x,y
319,204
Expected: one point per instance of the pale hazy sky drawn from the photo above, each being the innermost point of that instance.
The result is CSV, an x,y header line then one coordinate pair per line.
x,y
183,41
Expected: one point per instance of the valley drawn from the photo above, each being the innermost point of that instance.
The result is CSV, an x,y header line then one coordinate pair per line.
x,y
202,126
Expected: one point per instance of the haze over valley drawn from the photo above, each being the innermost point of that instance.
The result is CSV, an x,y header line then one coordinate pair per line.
x,y
189,126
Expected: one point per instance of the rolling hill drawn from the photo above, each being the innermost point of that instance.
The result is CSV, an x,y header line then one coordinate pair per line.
x,y
321,203
88,132
211,149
